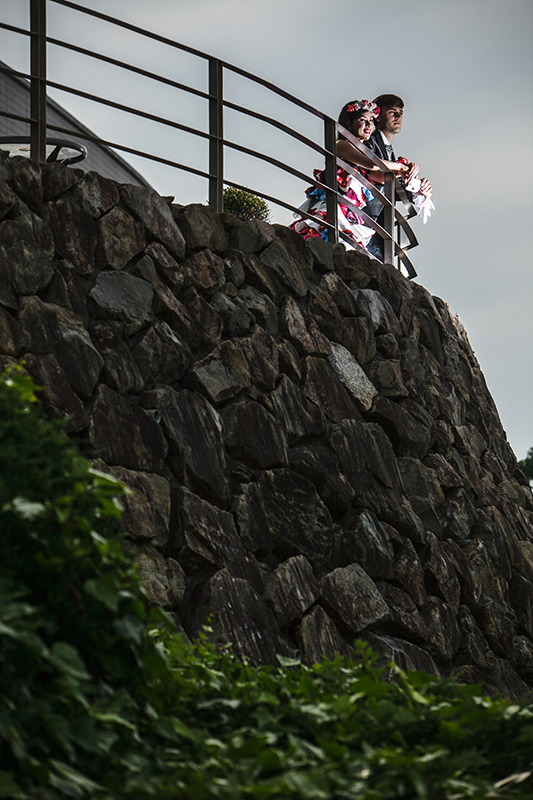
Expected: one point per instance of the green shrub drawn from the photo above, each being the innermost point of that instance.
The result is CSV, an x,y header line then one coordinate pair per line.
x,y
78,698
100,700
527,464
245,205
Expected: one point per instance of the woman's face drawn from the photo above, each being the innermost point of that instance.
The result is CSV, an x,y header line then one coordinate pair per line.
x,y
363,126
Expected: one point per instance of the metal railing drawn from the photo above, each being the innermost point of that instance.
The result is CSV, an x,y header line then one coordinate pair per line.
x,y
395,224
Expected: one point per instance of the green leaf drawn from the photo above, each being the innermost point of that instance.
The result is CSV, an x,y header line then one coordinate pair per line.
x,y
24,508
69,780
106,589
68,659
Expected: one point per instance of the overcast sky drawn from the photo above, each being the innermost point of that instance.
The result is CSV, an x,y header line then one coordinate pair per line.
x,y
465,71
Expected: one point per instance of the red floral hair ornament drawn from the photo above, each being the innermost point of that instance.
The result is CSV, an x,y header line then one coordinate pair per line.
x,y
363,105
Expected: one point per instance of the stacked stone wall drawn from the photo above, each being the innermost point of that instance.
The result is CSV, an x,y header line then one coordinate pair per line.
x,y
328,462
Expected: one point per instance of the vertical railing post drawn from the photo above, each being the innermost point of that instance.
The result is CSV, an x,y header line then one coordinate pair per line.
x,y
330,177
216,147
38,79
388,218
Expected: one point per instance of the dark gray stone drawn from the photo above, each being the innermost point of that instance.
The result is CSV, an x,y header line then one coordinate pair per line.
x,y
252,236
252,434
320,466
94,194
209,541
361,538
56,395
285,509
441,578
155,214
65,290
405,620
237,615
318,638
291,589
324,388
74,232
160,355
120,238
166,266
205,271
8,199
122,297
13,339
444,638
55,330
123,435
408,437
368,461
288,271
299,417
404,655
146,514
120,372
26,252
358,337
303,331
234,314
352,598
261,307
194,430
342,296
162,578
474,647
201,227
372,305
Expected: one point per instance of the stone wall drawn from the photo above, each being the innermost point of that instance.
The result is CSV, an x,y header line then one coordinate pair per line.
x,y
329,463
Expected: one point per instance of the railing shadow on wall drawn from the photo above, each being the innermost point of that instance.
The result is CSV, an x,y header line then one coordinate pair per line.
x,y
395,226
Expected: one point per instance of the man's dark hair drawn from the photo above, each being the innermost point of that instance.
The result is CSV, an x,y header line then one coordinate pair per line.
x,y
385,101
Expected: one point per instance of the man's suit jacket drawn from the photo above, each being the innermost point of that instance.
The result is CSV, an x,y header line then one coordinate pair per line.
x,y
377,145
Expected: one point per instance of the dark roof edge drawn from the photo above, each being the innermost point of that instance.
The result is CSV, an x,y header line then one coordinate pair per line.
x,y
83,129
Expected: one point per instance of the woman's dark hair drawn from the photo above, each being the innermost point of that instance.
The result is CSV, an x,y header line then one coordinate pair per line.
x,y
385,101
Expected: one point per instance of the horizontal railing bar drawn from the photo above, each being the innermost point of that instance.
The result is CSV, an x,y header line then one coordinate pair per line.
x,y
16,116
280,125
105,143
270,160
127,109
194,52
15,29
129,67
16,73
278,202
134,28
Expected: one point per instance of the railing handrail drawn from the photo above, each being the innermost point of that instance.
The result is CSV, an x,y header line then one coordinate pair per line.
x,y
39,81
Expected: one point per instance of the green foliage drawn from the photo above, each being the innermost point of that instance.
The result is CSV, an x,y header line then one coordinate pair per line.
x,y
79,672
337,730
527,464
99,700
245,205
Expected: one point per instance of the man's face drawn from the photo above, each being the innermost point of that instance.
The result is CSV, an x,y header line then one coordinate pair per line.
x,y
390,120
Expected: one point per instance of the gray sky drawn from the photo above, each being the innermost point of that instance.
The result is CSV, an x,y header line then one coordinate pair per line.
x,y
465,71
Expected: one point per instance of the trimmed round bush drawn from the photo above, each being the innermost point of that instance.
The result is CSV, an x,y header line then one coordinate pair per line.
x,y
245,204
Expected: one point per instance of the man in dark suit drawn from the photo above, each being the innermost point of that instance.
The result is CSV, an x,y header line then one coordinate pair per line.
x,y
388,124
